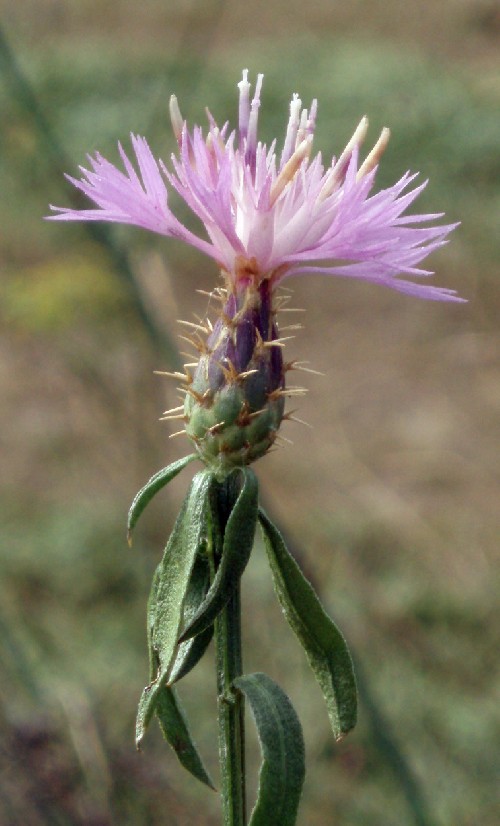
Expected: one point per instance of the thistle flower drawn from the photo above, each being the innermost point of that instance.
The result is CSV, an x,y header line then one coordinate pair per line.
x,y
266,220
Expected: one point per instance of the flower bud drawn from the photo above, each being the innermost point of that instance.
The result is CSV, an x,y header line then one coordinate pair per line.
x,y
235,401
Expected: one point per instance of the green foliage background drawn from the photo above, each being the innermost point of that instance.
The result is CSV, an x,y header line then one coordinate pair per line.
x,y
390,502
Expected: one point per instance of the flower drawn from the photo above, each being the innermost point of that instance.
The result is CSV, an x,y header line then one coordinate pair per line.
x,y
268,219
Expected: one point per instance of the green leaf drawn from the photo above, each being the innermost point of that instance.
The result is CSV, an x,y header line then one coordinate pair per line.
x,y
191,651
325,647
175,730
156,483
153,656
239,533
170,585
282,745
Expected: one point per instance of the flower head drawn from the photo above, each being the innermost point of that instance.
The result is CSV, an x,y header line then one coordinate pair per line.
x,y
265,219
270,218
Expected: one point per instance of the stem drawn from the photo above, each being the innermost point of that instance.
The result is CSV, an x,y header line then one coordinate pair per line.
x,y
230,703
230,712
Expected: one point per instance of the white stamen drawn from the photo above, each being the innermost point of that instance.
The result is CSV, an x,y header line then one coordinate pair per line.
x,y
253,120
244,107
293,125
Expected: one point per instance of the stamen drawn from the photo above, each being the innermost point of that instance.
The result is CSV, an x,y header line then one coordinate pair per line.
x,y
311,121
213,135
302,132
336,174
252,125
244,108
176,118
291,132
289,170
374,156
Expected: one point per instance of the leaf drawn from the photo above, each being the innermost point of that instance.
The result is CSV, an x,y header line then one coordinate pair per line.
x,y
323,643
169,590
175,730
191,651
156,483
237,546
282,745
153,656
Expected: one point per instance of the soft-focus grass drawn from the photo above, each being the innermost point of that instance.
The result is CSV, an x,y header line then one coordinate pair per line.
x,y
392,498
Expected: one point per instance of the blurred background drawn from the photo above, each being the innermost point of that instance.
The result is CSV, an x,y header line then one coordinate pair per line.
x,y
391,500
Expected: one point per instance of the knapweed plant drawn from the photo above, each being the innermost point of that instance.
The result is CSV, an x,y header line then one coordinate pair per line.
x,y
267,217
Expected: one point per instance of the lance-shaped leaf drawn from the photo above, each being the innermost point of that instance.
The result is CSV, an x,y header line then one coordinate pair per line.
x,y
324,645
191,651
175,729
156,483
238,537
153,655
169,590
282,745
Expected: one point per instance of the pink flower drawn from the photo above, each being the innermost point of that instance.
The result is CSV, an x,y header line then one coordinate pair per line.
x,y
267,218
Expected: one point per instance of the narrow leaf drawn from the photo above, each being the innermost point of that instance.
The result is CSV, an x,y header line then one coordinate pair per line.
x,y
169,590
175,730
237,546
156,483
190,652
151,609
282,745
324,645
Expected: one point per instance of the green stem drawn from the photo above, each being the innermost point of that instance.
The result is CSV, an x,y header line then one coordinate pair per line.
x,y
230,713
230,703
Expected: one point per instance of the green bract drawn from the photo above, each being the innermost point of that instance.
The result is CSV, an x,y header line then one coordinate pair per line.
x,y
227,430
